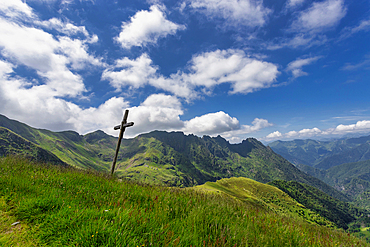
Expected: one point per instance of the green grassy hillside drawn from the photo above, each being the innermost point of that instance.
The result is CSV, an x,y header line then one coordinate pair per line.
x,y
13,144
68,146
263,195
56,206
172,159
338,212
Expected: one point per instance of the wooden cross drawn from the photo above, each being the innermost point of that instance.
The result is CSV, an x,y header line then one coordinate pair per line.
x,y
122,128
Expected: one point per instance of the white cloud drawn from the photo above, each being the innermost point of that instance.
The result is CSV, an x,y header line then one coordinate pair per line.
x,y
274,135
175,84
245,74
304,133
360,126
206,71
235,12
62,27
77,54
15,8
38,50
134,73
320,16
35,105
295,67
211,124
51,57
147,27
104,117
157,112
5,68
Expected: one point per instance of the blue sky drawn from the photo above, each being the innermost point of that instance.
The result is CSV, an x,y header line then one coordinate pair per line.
x,y
236,68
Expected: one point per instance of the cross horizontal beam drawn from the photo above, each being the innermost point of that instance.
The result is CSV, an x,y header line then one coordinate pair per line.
x,y
124,125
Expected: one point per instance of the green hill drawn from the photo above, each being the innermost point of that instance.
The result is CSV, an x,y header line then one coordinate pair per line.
x,y
44,205
338,212
13,144
172,159
263,195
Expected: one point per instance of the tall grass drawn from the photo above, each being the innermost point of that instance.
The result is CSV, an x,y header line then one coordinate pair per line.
x,y
69,207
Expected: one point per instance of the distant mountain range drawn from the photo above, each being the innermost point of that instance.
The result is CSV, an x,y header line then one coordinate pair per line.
x,y
324,154
353,179
166,158
343,164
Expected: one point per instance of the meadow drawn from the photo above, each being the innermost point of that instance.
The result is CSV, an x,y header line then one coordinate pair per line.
x,y
63,206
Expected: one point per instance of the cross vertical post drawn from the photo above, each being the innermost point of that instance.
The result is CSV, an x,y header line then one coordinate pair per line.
x,y
122,128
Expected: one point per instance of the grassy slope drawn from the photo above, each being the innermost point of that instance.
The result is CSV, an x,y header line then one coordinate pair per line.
x,y
341,213
63,206
68,146
11,143
263,195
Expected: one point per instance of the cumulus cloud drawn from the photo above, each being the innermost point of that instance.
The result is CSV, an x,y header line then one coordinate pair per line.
x,y
235,12
15,9
320,16
38,50
295,67
245,74
206,70
135,73
360,126
274,135
157,112
212,123
52,58
147,27
103,117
